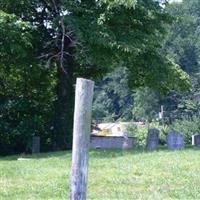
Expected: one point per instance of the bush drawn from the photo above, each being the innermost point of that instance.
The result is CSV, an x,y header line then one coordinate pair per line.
x,y
163,131
141,131
187,126
20,119
138,131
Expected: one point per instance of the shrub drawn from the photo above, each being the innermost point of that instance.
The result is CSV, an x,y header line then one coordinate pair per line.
x,y
138,131
187,127
163,131
141,131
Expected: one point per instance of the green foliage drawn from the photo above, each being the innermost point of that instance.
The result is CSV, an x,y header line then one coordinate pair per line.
x,y
15,39
183,40
25,108
141,135
161,73
146,105
115,33
141,131
187,126
117,3
138,131
163,128
182,46
189,103
68,39
113,99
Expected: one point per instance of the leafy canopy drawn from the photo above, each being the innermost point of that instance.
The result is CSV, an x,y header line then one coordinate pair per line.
x,y
44,43
103,35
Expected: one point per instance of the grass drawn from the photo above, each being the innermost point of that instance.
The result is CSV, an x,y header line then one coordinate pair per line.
x,y
113,175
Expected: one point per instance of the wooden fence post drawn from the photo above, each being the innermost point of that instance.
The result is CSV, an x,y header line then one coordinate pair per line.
x,y
81,138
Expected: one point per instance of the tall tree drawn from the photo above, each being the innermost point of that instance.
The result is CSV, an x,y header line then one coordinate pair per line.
x,y
26,90
182,45
89,38
113,98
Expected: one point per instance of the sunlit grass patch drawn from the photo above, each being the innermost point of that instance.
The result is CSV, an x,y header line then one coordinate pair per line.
x,y
113,174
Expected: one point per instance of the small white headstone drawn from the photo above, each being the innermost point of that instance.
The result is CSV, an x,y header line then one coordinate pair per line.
x,y
196,140
193,140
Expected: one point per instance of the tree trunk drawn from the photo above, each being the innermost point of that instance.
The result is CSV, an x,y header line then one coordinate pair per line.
x,y
63,114
64,104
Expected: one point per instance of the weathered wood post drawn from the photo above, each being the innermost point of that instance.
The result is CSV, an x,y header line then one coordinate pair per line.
x,y
81,138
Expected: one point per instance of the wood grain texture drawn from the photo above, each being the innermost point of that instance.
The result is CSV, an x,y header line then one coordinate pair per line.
x,y
81,137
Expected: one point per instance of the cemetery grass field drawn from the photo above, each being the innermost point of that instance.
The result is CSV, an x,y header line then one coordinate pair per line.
x,y
113,174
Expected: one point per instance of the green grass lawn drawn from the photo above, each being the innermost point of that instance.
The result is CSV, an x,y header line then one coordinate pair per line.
x,y
112,175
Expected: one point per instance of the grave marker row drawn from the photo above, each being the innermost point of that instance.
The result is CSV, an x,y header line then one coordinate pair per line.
x,y
174,140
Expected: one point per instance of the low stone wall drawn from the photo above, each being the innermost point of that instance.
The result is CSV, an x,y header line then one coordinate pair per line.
x,y
112,142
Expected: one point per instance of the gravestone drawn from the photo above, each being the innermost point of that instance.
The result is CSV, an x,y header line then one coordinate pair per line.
x,y
196,140
152,139
175,140
35,144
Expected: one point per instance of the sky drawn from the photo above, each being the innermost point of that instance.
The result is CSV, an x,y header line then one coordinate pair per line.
x,y
175,1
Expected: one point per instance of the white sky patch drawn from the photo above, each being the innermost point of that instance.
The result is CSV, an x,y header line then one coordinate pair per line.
x,y
175,1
